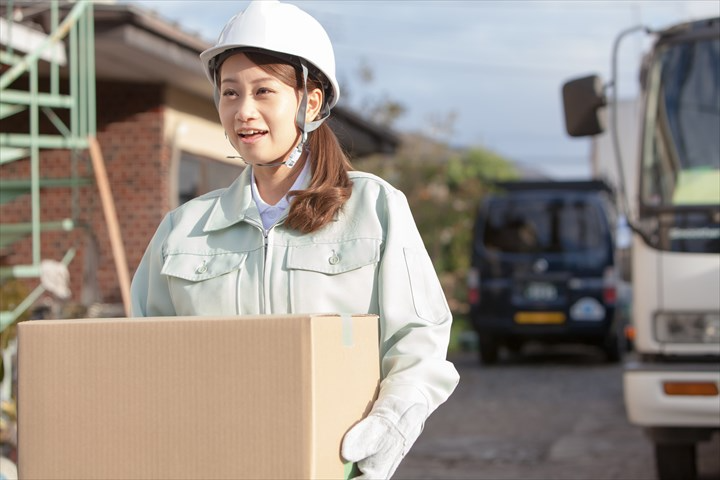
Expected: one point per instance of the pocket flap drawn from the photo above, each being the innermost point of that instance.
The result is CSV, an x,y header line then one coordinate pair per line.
x,y
201,267
334,258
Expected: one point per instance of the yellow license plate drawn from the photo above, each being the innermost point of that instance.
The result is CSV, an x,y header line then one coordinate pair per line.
x,y
540,318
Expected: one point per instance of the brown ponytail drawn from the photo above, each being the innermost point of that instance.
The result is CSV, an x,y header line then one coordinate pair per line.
x,y
330,187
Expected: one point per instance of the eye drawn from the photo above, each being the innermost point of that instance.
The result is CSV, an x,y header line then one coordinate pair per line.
x,y
263,91
229,92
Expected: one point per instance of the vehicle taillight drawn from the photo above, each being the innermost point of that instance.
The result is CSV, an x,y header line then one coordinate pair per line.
x,y
609,286
473,284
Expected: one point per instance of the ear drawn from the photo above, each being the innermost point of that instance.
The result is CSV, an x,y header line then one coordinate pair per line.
x,y
314,104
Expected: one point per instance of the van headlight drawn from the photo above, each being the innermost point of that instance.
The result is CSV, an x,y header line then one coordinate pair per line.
x,y
695,327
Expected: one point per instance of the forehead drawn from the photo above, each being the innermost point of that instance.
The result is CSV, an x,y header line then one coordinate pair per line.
x,y
240,64
240,67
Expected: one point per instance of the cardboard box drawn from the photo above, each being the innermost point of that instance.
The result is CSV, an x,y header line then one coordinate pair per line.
x,y
193,397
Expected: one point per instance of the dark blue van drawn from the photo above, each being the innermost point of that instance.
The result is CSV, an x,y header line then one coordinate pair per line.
x,y
543,268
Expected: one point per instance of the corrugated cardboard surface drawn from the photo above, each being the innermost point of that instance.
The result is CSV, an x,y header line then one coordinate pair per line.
x,y
175,398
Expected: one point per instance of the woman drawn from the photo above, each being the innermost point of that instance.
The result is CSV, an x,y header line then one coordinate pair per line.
x,y
300,232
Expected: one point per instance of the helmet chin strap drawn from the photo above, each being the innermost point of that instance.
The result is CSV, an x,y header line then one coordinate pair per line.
x,y
292,158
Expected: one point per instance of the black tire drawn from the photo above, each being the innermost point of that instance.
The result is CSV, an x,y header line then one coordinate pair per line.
x,y
675,461
614,347
515,345
488,349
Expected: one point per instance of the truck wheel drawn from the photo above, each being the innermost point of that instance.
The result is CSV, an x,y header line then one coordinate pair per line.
x,y
488,349
675,461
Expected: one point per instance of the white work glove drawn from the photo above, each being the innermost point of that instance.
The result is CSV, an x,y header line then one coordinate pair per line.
x,y
380,441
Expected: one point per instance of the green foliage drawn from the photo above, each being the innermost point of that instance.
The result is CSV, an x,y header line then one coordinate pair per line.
x,y
478,165
444,188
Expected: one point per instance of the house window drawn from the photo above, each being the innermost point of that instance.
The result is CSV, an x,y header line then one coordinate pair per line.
x,y
200,175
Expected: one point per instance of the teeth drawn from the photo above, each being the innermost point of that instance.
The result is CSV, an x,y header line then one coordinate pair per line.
x,y
251,132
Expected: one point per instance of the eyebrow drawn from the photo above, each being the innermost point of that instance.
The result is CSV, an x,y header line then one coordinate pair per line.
x,y
254,82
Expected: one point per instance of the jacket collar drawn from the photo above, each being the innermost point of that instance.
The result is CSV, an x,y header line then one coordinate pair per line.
x,y
234,205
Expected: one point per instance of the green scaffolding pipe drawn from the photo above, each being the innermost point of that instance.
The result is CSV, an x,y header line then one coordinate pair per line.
x,y
43,141
35,166
9,13
44,99
55,66
92,113
74,89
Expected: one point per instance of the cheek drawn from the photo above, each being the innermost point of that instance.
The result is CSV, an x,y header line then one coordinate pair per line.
x,y
226,117
287,107
287,117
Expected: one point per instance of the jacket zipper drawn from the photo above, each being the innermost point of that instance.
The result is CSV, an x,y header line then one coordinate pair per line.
x,y
265,234
266,242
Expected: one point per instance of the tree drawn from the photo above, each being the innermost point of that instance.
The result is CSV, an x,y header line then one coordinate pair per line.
x,y
379,109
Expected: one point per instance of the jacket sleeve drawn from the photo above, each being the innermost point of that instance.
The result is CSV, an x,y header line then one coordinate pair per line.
x,y
415,317
149,290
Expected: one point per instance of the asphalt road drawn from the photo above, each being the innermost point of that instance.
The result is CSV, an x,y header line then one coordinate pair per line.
x,y
551,413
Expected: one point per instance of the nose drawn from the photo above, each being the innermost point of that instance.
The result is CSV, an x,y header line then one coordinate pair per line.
x,y
246,110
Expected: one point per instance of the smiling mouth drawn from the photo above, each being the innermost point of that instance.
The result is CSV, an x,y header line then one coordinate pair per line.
x,y
251,133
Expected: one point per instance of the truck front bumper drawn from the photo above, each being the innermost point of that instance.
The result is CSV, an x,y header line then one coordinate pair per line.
x,y
672,395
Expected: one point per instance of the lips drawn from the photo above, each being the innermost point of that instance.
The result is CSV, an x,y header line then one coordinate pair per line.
x,y
250,135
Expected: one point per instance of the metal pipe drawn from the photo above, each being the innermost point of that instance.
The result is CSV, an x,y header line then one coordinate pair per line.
x,y
35,164
614,116
54,65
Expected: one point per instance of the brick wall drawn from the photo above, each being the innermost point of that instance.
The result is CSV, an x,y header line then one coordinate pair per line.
x,y
130,133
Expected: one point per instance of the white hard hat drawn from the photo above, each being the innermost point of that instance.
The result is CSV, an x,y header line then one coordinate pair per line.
x,y
279,28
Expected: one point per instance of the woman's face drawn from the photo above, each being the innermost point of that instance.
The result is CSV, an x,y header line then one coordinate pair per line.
x,y
257,111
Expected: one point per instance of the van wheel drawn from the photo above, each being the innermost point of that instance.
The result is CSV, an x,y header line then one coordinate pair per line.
x,y
613,347
488,349
675,460
515,345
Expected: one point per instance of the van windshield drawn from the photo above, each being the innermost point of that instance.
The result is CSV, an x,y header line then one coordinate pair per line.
x,y
541,225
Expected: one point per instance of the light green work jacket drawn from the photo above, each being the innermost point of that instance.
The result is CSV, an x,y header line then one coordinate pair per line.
x,y
211,256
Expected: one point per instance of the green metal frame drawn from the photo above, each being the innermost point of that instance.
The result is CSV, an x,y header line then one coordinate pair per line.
x,y
76,33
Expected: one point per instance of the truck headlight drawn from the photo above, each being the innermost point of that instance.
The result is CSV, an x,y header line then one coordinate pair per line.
x,y
687,327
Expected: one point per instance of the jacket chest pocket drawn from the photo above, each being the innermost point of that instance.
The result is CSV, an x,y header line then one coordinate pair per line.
x,y
204,284
334,277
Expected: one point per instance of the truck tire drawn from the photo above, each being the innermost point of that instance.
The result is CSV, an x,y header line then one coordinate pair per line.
x,y
488,349
675,461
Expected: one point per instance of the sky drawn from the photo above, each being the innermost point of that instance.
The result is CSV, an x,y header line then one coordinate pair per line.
x,y
474,72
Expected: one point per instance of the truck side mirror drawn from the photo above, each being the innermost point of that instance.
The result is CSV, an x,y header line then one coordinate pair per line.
x,y
582,99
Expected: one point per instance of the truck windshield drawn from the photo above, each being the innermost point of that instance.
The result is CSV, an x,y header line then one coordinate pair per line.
x,y
536,225
682,145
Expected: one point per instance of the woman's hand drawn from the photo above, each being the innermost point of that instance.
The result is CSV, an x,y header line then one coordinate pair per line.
x,y
380,441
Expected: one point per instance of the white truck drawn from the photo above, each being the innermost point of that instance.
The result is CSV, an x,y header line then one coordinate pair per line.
x,y
668,176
